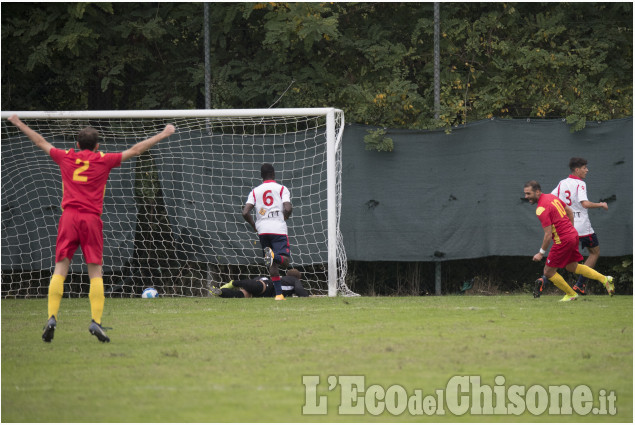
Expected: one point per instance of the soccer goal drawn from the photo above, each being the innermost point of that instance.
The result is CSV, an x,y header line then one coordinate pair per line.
x,y
172,216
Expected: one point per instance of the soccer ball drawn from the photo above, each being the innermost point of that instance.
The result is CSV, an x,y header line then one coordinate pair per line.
x,y
150,293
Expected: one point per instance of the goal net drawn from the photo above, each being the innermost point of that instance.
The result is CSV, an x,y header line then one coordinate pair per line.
x,y
172,216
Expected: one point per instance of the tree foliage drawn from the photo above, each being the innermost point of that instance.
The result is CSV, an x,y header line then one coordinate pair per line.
x,y
374,60
60,56
539,60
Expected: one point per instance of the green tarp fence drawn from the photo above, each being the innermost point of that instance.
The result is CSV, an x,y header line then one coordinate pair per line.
x,y
454,196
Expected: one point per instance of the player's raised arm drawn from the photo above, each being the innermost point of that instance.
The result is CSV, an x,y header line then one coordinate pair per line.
x,y
36,137
143,146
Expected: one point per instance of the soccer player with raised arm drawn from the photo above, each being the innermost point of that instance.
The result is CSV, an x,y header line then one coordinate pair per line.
x,y
573,192
557,222
272,203
84,172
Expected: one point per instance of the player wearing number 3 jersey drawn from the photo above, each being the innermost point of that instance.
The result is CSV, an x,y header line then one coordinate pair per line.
x,y
84,176
557,222
573,192
272,204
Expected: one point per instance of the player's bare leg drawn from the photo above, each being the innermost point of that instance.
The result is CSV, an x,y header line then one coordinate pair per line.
x,y
592,259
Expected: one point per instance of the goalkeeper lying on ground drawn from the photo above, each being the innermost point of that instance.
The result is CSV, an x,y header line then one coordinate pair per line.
x,y
262,287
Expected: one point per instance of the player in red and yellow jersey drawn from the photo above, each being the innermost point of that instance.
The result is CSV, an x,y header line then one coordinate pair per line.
x,y
557,222
84,176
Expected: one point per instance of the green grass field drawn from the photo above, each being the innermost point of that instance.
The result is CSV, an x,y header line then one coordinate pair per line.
x,y
214,360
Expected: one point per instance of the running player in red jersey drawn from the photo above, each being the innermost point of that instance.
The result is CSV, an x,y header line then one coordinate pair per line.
x,y
557,221
84,176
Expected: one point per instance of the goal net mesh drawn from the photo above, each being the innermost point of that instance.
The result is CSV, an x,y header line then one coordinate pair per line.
x,y
172,216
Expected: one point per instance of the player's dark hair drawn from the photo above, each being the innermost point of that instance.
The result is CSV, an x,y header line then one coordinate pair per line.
x,y
294,273
88,138
267,172
534,185
577,163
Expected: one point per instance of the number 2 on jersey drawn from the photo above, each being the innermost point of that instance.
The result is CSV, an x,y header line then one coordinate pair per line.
x,y
77,177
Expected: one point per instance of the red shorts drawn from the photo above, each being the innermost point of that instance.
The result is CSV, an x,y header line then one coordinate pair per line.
x,y
80,229
564,253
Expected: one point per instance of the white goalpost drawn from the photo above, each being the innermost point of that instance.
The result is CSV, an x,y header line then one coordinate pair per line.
x,y
172,215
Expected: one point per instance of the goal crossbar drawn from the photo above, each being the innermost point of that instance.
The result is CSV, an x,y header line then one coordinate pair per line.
x,y
163,114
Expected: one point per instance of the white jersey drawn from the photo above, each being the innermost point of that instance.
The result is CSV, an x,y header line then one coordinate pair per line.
x,y
572,191
267,200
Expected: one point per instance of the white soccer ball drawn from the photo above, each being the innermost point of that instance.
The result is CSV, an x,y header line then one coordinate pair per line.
x,y
150,293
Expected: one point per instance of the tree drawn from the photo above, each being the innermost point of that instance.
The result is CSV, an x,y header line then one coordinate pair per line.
x,y
537,60
374,60
58,56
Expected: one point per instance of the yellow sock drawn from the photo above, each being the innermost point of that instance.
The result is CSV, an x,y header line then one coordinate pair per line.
x,y
56,290
587,271
562,284
97,299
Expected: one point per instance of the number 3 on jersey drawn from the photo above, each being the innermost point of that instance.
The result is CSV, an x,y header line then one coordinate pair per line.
x,y
568,196
77,177
267,199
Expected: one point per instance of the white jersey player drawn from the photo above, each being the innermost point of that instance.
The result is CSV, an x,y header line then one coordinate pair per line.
x,y
268,200
272,203
573,192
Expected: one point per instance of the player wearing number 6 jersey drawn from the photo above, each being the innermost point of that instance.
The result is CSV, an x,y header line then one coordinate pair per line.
x,y
84,176
557,222
272,203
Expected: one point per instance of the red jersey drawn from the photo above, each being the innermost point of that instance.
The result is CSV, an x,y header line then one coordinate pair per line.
x,y
551,212
84,177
